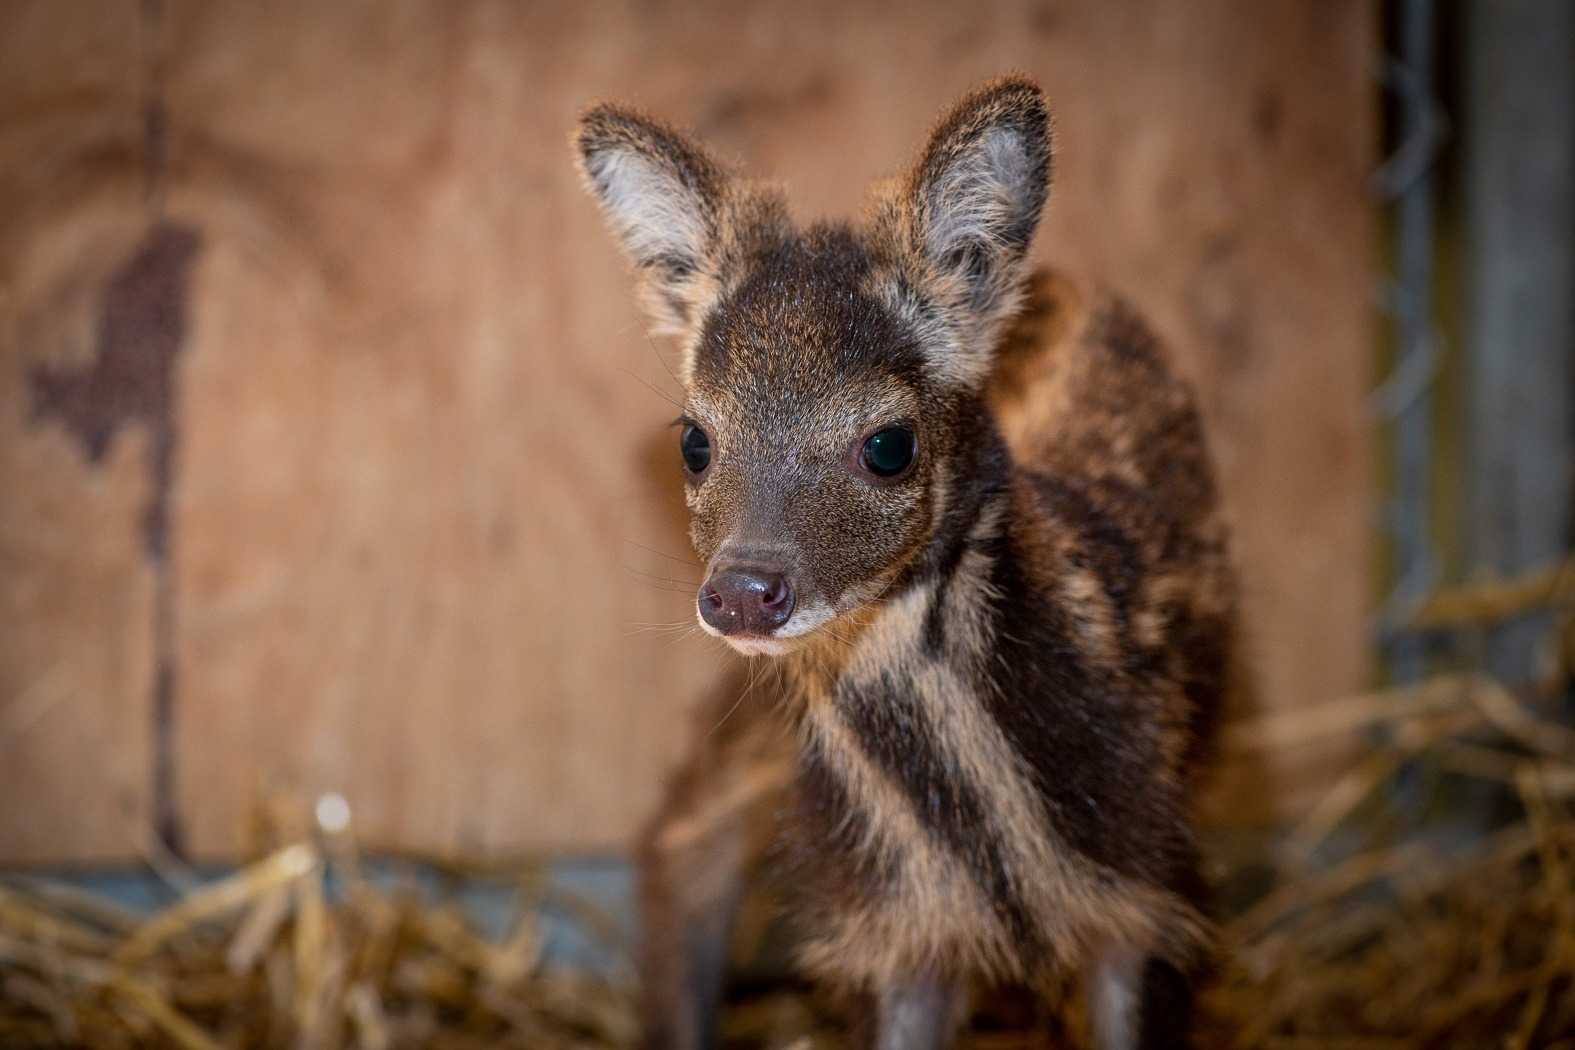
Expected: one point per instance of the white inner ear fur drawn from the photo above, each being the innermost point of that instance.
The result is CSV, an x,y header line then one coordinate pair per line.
x,y
981,196
654,213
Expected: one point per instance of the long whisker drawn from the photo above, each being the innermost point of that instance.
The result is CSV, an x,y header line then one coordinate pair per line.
x,y
846,643
658,391
689,632
753,675
664,582
656,351
656,575
660,577
681,591
659,628
664,554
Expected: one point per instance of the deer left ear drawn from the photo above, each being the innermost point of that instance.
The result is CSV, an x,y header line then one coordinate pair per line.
x,y
973,201
665,199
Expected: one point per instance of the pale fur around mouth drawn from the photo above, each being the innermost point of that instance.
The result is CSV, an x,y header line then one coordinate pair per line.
x,y
802,626
790,636
760,646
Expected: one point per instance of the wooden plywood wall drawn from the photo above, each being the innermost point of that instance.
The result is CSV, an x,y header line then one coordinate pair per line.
x,y
369,500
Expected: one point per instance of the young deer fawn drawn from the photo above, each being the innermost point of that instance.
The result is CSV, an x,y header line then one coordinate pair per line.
x,y
970,515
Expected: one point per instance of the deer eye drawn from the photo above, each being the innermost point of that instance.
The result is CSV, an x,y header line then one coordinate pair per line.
x,y
695,447
888,452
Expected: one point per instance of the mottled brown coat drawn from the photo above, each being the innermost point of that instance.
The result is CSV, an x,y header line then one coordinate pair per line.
x,y
1004,664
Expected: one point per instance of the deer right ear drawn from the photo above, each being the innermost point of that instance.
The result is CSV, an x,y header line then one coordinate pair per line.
x,y
664,199
972,204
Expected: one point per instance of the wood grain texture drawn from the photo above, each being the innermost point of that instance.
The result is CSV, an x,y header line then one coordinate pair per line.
x,y
423,457
76,594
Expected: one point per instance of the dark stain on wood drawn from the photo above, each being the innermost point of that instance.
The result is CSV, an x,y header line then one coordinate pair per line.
x,y
1268,115
132,379
741,106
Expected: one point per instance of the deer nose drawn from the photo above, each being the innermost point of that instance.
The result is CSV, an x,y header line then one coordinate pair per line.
x,y
746,601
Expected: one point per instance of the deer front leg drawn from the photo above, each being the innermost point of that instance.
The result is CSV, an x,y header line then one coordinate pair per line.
x,y
923,1013
689,898
1138,1003
695,857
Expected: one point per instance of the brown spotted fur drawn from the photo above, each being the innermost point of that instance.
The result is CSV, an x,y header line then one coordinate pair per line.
x,y
980,768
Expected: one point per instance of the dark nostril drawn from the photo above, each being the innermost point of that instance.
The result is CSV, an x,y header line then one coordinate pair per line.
x,y
746,601
776,592
776,602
